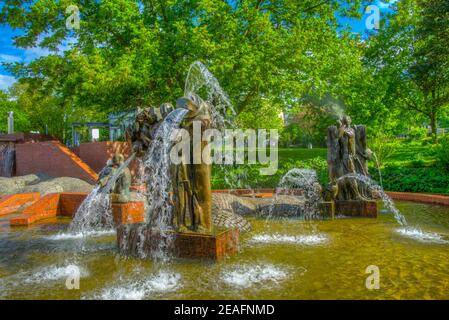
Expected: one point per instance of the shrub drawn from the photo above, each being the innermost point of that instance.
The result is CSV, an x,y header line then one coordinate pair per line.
x,y
442,152
417,133
383,146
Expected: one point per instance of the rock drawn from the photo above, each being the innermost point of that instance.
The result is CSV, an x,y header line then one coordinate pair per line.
x,y
238,205
228,209
69,184
43,184
280,206
16,184
43,188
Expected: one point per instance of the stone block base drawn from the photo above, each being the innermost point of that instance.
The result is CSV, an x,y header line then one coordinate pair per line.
x,y
356,208
184,245
128,212
327,209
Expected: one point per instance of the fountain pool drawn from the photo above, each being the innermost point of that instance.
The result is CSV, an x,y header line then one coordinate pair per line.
x,y
295,260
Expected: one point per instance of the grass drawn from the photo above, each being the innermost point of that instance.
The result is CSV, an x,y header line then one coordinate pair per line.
x,y
412,167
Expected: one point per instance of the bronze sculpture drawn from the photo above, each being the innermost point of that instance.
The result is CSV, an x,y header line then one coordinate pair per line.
x,y
192,187
347,155
143,129
120,190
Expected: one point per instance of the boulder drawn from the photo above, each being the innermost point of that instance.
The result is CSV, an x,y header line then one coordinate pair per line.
x,y
43,184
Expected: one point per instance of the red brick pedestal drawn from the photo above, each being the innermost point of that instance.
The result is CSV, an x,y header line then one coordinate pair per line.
x,y
356,208
127,213
185,245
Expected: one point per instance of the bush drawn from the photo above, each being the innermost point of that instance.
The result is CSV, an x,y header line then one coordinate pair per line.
x,y
384,147
417,133
412,179
248,176
442,153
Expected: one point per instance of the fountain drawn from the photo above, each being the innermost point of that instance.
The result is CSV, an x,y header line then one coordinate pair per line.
x,y
289,253
179,217
7,159
347,154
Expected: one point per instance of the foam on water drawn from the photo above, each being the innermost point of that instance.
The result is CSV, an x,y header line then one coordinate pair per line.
x,y
422,236
53,273
245,276
313,239
137,290
79,235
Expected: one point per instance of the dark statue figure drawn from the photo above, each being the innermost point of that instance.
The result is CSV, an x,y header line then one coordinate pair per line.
x,y
191,187
147,121
347,155
120,190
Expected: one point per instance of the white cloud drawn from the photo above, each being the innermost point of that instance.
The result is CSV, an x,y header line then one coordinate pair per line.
x,y
382,4
34,53
9,58
6,81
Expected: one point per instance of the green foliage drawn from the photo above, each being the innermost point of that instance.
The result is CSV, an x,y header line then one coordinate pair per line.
x,y
383,146
136,53
248,176
412,179
409,59
21,121
417,133
443,152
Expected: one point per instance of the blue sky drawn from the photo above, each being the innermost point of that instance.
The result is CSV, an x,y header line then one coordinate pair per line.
x,y
10,53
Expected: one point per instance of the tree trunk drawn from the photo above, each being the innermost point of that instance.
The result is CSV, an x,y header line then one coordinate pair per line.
x,y
433,125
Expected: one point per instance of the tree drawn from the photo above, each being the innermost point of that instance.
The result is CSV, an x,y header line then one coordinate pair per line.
x,y
21,121
129,53
410,59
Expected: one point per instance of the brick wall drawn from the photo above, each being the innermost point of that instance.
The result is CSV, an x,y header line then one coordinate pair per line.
x,y
96,154
420,197
46,207
52,158
11,203
69,202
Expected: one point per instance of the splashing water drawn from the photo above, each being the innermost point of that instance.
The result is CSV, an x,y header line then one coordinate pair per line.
x,y
373,186
305,179
200,79
157,175
378,170
111,181
138,290
7,155
313,239
422,236
94,214
245,276
53,273
408,231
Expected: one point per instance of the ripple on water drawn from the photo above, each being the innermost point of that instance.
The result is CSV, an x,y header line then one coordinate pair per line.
x,y
422,236
79,235
139,289
52,273
245,276
312,239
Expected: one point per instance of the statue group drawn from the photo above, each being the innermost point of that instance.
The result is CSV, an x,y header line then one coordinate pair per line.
x,y
347,156
191,187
